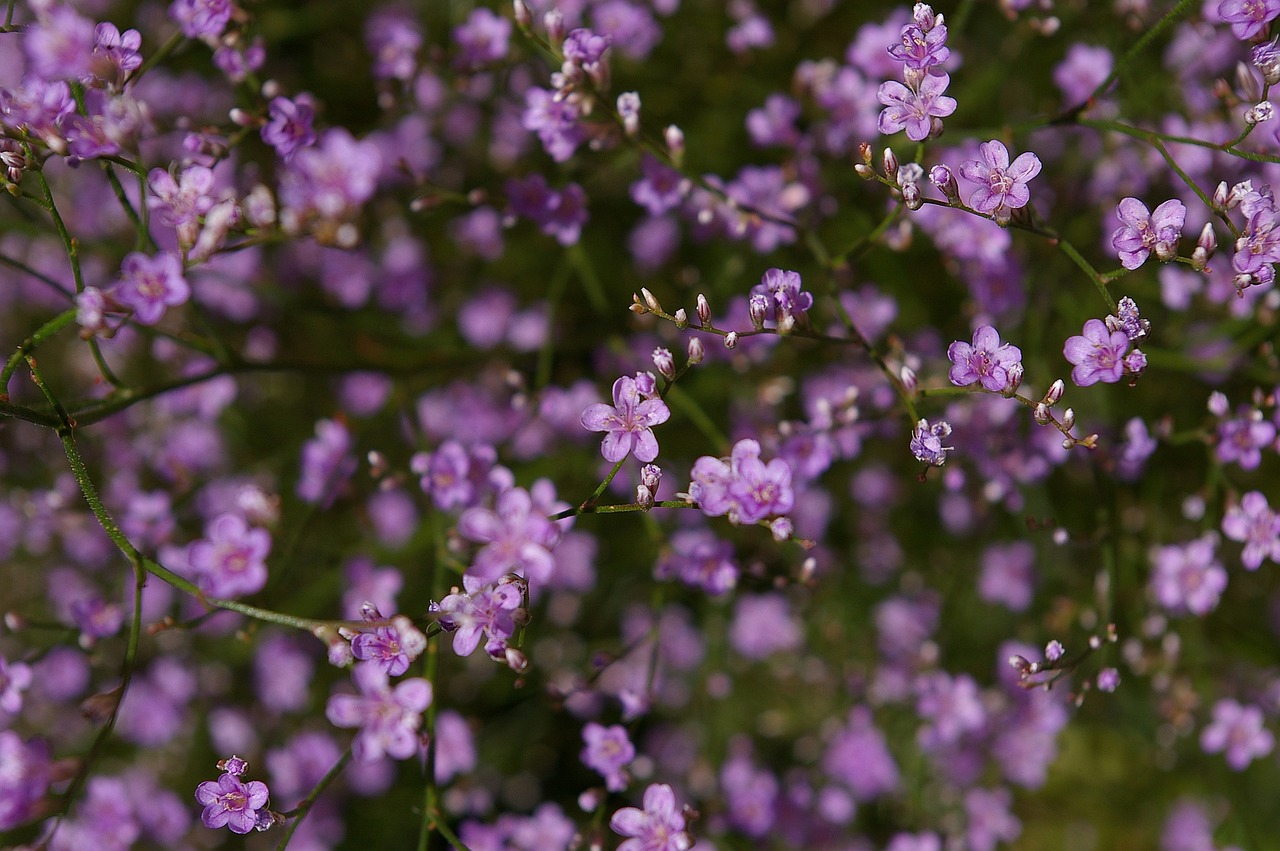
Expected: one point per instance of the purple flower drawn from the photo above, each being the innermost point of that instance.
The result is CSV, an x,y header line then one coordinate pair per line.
x,y
952,708
1084,68
118,51
1098,354
1001,186
986,361
555,122
609,751
230,802
15,677
658,827
482,609
394,38
1108,680
148,285
860,758
204,19
1239,731
390,646
744,487
517,538
1253,523
916,109
989,821
24,778
921,50
1141,233
699,559
629,422
482,40
1008,575
660,187
1188,578
288,126
763,625
787,302
1242,440
1248,18
230,561
926,442
388,717
327,463
328,180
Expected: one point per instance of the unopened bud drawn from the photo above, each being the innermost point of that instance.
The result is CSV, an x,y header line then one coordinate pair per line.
x,y
638,306
651,300
515,659
889,161
923,16
1238,193
907,376
650,476
1015,379
644,496
1208,240
681,318
942,178
911,196
863,171
864,153
1068,418
1041,413
1218,404
781,528
1259,113
524,17
1053,395
674,138
758,308
731,340
696,351
665,363
554,23
1221,195
703,310
1247,85
629,111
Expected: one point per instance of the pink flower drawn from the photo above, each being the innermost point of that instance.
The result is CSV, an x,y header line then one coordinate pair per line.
x,y
915,109
629,422
658,827
1098,354
1001,186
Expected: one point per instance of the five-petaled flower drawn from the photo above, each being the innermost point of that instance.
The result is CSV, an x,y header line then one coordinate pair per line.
x,y
232,803
658,827
629,422
985,361
1142,232
1098,354
1002,186
388,717
915,109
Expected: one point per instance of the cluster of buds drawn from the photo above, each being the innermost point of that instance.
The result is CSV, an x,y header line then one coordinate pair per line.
x,y
1055,666
1042,413
647,490
905,178
585,69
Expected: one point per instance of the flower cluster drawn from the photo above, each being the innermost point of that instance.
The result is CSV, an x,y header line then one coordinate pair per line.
x,y
918,104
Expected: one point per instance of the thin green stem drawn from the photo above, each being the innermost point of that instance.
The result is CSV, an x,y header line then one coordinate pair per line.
x,y
29,345
300,812
1149,36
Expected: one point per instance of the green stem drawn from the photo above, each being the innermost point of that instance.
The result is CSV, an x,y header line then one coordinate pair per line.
x,y
304,807
29,345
